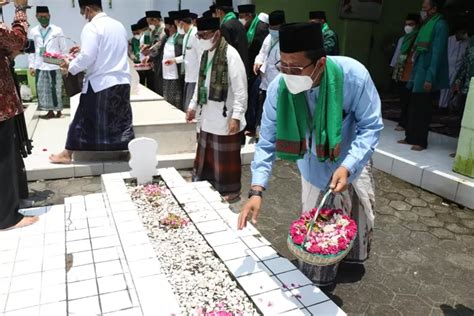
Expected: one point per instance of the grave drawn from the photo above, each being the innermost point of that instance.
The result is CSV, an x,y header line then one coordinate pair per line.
x,y
93,255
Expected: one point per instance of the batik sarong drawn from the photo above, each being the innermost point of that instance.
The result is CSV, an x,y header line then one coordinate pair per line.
x,y
49,87
188,93
359,202
103,121
172,92
218,161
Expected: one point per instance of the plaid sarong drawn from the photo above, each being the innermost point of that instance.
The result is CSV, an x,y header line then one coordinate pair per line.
x,y
218,161
49,87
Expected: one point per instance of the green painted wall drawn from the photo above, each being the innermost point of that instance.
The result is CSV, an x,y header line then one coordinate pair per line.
x,y
368,42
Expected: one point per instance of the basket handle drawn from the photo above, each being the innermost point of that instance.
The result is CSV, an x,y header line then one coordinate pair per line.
x,y
59,36
313,220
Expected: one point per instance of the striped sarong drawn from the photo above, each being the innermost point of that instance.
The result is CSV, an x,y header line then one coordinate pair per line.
x,y
218,161
49,87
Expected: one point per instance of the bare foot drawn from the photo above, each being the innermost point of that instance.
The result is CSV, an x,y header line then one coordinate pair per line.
x,y
26,221
417,148
402,141
65,157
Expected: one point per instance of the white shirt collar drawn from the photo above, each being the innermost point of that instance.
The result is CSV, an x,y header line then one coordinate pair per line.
x,y
98,16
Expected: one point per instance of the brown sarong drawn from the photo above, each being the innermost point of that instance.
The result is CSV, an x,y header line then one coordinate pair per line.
x,y
218,161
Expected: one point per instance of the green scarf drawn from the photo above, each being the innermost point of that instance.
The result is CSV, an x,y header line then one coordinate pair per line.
x,y
293,118
219,82
136,50
325,28
425,35
408,42
252,29
228,16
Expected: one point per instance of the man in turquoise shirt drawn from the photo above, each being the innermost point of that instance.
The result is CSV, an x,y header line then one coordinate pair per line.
x,y
358,124
430,73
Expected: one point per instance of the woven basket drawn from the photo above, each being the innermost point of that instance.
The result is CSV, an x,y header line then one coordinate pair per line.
x,y
314,258
53,61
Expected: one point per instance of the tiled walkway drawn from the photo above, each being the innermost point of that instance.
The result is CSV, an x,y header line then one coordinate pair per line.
x,y
80,259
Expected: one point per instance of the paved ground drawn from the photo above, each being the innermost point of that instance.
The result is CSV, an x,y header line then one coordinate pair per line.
x,y
422,261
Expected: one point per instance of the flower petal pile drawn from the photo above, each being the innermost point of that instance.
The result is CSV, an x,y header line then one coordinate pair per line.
x,y
332,232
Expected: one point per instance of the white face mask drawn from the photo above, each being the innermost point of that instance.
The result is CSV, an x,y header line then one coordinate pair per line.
x,y
423,15
152,27
409,29
137,37
274,34
297,84
181,30
206,44
243,21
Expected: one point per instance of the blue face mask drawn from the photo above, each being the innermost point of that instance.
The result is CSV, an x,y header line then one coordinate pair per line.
x,y
274,34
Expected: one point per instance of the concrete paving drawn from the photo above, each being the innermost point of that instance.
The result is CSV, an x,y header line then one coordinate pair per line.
x,y
422,261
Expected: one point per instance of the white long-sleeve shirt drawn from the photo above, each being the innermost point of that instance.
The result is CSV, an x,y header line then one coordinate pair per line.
x,y
51,39
268,56
397,52
191,56
104,54
211,118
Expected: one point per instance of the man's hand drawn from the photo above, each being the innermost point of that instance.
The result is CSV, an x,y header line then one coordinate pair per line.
x,y
145,50
256,68
234,126
75,50
252,206
32,72
190,115
64,67
170,62
427,86
339,181
456,89
4,2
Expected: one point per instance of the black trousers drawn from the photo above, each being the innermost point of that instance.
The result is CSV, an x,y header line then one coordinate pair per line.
x,y
253,100
147,78
404,93
261,101
420,112
9,186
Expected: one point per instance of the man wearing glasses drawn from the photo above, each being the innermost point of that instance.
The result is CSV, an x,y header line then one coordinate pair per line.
x,y
325,114
220,101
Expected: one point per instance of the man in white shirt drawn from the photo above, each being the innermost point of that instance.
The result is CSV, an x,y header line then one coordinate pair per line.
x,y
267,60
220,102
103,120
172,87
49,83
190,57
457,49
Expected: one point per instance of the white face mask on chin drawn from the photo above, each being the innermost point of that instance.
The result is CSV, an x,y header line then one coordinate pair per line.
x,y
181,30
297,84
152,27
243,21
137,37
